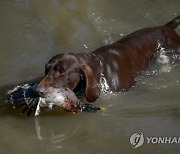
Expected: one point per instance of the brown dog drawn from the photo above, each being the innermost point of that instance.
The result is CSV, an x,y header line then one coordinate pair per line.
x,y
110,68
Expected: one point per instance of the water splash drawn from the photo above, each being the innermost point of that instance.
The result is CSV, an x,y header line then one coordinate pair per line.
x,y
102,26
104,85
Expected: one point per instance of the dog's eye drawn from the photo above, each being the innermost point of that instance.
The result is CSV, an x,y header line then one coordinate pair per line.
x,y
60,72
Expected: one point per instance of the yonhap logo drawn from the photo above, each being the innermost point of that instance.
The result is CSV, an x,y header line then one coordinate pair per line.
x,y
137,139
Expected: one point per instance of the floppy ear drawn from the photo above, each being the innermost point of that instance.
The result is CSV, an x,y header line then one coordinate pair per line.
x,y
92,90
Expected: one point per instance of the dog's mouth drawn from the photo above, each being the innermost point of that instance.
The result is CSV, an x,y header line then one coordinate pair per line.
x,y
24,96
62,98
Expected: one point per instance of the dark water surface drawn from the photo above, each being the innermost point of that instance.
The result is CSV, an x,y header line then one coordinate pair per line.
x,y
32,31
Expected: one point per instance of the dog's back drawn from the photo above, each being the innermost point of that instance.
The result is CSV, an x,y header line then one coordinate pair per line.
x,y
130,55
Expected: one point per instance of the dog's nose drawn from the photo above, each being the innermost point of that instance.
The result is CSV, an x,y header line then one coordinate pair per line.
x,y
40,91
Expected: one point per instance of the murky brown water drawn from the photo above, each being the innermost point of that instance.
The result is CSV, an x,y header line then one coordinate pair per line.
x,y
32,31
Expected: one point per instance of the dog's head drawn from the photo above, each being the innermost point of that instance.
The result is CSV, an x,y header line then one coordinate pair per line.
x,y
66,71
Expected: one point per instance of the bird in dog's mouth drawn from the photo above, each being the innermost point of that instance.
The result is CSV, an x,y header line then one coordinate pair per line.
x,y
62,98
24,96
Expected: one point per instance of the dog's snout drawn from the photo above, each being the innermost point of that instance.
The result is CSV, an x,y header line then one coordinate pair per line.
x,y
40,91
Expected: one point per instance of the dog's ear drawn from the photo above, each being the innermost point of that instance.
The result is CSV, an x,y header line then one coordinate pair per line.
x,y
92,90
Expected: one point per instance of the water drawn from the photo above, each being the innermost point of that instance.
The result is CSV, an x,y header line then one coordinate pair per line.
x,y
32,31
